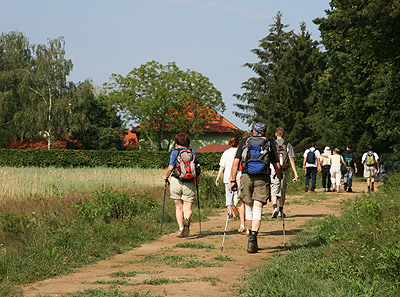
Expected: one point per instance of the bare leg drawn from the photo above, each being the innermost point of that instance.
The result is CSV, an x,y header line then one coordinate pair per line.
x,y
187,209
179,212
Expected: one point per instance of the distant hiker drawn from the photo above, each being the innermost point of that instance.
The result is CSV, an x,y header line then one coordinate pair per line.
x,y
225,164
350,158
185,169
286,160
325,169
371,167
256,153
311,164
335,160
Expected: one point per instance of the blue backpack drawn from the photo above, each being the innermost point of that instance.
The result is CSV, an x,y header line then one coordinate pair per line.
x,y
256,155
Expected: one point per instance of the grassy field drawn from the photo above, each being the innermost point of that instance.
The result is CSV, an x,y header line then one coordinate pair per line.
x,y
53,220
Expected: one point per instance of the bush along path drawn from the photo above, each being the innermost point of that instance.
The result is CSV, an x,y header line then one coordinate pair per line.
x,y
195,266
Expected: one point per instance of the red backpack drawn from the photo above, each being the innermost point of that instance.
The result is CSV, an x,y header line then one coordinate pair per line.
x,y
187,168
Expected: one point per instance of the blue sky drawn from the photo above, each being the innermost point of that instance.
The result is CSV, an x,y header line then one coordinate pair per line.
x,y
213,37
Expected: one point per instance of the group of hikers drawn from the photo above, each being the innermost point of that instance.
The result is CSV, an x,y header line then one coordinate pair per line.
x,y
256,170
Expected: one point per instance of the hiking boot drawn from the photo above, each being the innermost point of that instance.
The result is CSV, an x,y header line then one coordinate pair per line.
x,y
372,188
280,214
252,246
349,190
306,189
345,186
275,212
186,230
242,230
329,190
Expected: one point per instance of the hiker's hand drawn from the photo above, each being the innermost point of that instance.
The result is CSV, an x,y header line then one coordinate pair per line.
x,y
232,186
319,168
357,170
304,167
217,182
296,177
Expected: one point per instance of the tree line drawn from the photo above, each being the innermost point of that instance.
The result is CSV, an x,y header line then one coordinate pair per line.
x,y
341,90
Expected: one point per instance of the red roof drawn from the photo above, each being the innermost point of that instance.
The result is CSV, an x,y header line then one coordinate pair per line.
x,y
131,139
213,148
220,125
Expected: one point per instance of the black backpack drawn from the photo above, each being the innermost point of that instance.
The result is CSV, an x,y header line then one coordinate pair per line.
x,y
310,159
256,156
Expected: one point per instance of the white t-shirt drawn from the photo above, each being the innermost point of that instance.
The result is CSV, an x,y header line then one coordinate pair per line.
x,y
335,160
227,161
317,156
364,157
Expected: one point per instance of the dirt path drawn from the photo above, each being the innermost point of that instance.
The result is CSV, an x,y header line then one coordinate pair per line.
x,y
158,267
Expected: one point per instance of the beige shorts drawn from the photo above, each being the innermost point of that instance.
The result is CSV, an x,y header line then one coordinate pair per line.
x,y
278,187
370,171
254,187
186,191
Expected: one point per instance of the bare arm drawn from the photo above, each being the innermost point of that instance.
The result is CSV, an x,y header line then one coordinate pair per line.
x,y
278,170
221,170
293,165
304,163
169,171
234,170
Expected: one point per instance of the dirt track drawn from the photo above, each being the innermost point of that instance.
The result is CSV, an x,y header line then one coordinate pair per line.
x,y
152,264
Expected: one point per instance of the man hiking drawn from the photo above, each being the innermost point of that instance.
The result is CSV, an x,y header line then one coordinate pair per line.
x,y
185,169
311,164
286,160
350,159
256,153
371,167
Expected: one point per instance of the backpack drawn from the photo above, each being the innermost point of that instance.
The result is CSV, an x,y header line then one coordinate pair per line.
x,y
370,161
348,158
187,168
255,156
283,154
310,159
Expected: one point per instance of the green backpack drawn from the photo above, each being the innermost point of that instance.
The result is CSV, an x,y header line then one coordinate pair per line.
x,y
370,161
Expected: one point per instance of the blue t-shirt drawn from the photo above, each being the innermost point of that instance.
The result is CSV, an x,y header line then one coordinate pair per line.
x,y
174,155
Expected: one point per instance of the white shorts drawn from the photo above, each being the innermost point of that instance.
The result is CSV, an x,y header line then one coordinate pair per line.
x,y
369,171
228,195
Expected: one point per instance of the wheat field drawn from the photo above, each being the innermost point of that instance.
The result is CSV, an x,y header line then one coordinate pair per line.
x,y
30,182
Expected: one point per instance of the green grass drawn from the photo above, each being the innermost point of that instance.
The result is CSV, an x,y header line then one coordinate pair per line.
x,y
109,293
195,245
223,258
132,273
357,254
153,281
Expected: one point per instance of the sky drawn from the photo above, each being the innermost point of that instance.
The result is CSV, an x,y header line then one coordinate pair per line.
x,y
212,37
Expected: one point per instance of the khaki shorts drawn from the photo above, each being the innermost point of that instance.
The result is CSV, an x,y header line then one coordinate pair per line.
x,y
254,187
369,171
186,191
278,187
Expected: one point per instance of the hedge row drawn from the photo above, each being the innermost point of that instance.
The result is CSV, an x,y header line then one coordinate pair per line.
x,y
109,158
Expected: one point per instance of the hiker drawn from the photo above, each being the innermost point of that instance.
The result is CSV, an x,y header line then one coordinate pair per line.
x,y
335,161
285,155
350,158
256,153
325,169
371,167
185,170
225,164
311,164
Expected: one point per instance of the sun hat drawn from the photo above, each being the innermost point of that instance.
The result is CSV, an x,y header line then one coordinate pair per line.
x,y
327,150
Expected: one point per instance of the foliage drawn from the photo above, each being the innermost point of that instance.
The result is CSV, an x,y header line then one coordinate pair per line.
x,y
163,98
288,66
356,254
108,158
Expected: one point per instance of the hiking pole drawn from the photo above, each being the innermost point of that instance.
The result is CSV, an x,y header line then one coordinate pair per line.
x,y
283,224
226,224
163,208
198,204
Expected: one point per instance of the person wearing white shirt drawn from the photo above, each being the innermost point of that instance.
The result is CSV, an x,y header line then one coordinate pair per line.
x,y
311,164
371,167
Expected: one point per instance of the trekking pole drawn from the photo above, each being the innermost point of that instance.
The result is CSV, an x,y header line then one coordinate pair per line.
x,y
198,205
163,208
226,224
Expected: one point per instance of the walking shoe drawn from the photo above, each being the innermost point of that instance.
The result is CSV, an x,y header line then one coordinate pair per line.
x,y
280,214
306,189
242,230
252,246
349,190
345,186
186,230
180,233
274,213
329,190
